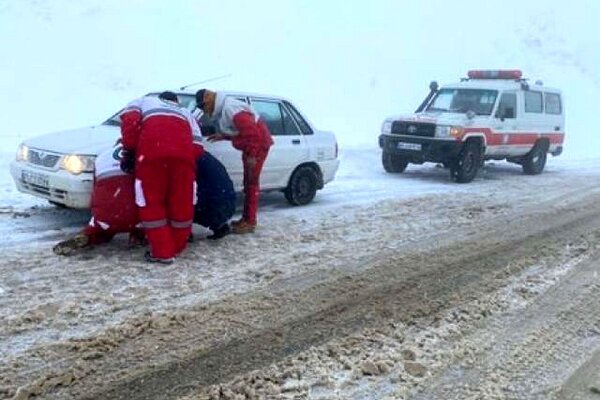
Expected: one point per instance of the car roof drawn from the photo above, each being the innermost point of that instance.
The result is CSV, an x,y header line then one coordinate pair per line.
x,y
234,93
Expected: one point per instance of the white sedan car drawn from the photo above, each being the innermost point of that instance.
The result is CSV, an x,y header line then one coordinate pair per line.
x,y
59,166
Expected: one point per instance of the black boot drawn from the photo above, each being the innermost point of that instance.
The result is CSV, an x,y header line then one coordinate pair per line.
x,y
220,232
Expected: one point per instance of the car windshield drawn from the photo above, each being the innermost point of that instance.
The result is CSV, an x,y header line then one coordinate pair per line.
x,y
480,101
185,100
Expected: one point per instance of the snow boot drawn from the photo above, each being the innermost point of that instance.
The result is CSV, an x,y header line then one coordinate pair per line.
x,y
237,222
244,227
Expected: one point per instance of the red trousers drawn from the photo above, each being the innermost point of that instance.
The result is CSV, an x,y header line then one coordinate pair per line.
x,y
165,195
253,163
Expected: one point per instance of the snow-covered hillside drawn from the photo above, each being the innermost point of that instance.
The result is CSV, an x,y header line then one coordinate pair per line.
x,y
66,64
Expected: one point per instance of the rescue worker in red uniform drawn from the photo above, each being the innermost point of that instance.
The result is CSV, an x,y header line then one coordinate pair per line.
x,y
114,210
112,206
165,141
240,124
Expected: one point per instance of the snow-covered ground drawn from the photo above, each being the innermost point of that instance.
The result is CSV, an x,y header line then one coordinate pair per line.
x,y
64,315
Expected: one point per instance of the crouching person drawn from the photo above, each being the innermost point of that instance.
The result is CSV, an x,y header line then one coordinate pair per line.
x,y
113,206
216,197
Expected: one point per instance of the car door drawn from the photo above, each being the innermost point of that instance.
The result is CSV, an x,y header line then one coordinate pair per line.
x,y
553,112
533,122
505,126
289,148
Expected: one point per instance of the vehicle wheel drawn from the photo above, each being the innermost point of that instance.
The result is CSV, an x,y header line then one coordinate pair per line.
x,y
465,167
535,160
302,187
393,163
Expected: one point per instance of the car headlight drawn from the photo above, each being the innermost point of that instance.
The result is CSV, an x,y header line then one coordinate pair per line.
x,y
386,127
76,164
447,131
22,153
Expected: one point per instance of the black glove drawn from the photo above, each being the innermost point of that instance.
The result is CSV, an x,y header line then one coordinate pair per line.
x,y
127,161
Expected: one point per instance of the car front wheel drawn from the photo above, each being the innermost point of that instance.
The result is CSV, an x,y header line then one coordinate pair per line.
x,y
302,187
393,163
466,165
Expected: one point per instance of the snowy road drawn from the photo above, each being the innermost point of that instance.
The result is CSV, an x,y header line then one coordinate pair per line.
x,y
387,286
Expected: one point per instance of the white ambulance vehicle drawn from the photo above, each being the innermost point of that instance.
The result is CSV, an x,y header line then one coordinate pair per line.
x,y
490,115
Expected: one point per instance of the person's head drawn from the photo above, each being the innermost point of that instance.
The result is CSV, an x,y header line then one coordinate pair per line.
x,y
169,96
205,100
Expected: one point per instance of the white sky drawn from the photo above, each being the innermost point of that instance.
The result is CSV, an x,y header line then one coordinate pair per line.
x,y
346,64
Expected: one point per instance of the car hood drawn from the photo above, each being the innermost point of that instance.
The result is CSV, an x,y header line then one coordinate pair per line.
x,y
438,118
88,141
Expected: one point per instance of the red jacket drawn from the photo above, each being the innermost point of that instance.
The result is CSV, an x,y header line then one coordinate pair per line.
x,y
157,129
113,197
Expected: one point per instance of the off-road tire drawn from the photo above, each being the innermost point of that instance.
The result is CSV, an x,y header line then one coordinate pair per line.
x,y
393,163
535,161
464,169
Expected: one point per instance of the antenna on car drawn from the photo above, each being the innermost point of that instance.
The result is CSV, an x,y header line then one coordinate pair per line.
x,y
216,78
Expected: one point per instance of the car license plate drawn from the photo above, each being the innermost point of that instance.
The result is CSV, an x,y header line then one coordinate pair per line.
x,y
34,178
409,146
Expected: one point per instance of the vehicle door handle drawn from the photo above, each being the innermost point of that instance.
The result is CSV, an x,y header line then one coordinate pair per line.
x,y
296,141
557,128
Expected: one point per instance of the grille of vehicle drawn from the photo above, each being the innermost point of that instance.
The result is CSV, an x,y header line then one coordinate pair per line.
x,y
42,158
413,128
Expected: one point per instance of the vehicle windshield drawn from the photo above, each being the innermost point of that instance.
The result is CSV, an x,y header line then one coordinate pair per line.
x,y
185,100
480,101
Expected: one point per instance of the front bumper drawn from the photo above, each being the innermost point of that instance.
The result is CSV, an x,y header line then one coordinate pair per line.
x,y
431,149
57,186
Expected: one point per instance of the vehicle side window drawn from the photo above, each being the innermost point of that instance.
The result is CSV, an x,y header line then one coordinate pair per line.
x,y
304,126
289,126
552,103
508,106
270,112
187,101
533,102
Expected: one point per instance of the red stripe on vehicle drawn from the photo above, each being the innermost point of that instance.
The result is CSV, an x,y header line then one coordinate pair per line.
x,y
515,138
